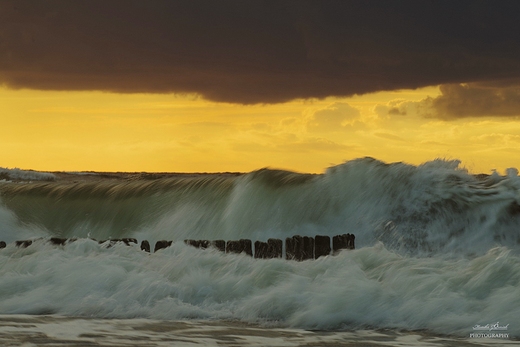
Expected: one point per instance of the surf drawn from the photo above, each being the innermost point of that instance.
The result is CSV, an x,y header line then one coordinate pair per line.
x,y
437,248
436,207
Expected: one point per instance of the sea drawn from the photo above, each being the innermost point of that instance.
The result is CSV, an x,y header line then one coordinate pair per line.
x,y
436,259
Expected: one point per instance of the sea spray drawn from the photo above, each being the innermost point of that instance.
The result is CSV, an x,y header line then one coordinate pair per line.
x,y
368,287
436,207
437,247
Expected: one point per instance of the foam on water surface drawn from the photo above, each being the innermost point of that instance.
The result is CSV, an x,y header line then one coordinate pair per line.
x,y
22,330
368,287
25,175
437,248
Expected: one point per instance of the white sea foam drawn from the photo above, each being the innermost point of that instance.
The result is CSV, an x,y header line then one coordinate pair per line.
x,y
368,287
437,248
435,207
25,175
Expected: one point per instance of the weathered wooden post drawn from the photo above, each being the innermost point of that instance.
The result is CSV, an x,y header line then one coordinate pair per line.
x,y
145,246
267,250
24,243
204,244
219,244
275,248
191,242
261,249
308,248
299,248
321,246
345,241
239,246
352,239
340,242
293,247
198,243
58,241
162,244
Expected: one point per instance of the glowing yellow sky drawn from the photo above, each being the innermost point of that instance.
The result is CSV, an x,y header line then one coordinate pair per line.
x,y
78,131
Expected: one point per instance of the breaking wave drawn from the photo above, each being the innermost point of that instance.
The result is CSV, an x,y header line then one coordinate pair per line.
x,y
437,247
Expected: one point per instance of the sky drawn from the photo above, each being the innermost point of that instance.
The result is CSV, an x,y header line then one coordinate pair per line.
x,y
216,86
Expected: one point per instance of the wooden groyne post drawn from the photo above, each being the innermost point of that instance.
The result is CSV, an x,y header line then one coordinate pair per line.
x,y
240,246
273,248
297,247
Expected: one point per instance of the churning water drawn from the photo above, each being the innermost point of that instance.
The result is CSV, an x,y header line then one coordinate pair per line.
x,y
436,247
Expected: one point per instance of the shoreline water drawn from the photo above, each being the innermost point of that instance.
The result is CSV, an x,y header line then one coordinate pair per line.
x,y
30,330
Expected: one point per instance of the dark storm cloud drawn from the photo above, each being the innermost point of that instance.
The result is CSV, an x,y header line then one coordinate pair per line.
x,y
256,51
476,100
461,100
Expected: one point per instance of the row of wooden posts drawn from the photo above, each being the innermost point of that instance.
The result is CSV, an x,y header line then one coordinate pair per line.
x,y
296,247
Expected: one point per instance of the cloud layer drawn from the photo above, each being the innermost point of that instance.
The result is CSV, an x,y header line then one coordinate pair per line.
x,y
257,51
474,100
460,100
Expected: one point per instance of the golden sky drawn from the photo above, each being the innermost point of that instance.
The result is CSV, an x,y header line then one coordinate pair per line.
x,y
99,131
214,86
